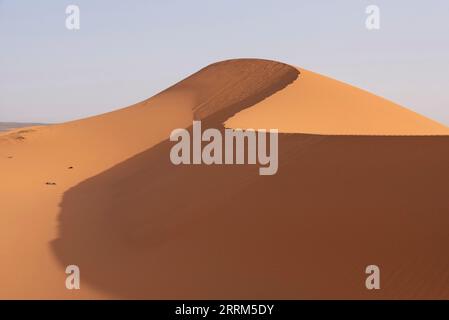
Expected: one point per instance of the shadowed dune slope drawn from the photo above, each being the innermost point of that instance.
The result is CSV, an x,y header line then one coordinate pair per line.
x,y
149,229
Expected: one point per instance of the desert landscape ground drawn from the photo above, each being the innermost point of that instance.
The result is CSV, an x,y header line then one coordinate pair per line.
x,y
361,181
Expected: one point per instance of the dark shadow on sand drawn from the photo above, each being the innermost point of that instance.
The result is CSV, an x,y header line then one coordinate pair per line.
x,y
149,229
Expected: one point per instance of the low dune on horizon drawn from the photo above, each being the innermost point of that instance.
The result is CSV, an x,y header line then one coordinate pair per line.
x,y
7,126
361,181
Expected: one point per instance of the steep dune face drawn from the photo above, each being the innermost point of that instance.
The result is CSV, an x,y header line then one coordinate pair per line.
x,y
140,227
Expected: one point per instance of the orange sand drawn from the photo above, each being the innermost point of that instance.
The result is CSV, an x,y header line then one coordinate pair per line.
x,y
140,227
319,105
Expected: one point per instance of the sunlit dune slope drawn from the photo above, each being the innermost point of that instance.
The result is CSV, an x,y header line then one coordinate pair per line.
x,y
320,105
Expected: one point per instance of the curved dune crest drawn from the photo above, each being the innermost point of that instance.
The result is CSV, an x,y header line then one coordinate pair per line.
x,y
317,104
223,88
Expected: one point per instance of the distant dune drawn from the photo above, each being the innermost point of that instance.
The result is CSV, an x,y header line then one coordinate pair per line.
x,y
5,126
361,181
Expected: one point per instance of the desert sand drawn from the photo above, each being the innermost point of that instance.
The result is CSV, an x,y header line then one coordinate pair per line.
x,y
361,181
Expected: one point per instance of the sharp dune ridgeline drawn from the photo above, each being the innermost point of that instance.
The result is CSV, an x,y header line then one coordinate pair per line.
x,y
361,181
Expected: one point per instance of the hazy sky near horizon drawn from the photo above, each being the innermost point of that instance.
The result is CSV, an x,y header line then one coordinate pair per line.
x,y
126,51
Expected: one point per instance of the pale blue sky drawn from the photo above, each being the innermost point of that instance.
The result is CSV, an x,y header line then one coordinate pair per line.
x,y
126,51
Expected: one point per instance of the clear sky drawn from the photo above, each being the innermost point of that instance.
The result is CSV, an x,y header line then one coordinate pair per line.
x,y
126,51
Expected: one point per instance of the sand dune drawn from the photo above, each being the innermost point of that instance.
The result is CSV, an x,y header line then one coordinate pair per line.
x,y
140,227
